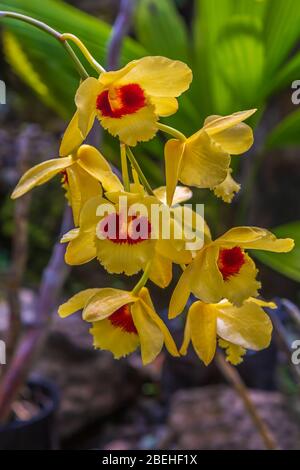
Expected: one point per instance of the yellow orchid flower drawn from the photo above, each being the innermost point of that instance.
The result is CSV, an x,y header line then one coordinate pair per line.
x,y
203,159
82,172
238,328
129,227
121,252
222,269
128,102
122,322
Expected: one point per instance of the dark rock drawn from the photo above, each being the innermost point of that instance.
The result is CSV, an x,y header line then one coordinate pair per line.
x,y
92,384
215,418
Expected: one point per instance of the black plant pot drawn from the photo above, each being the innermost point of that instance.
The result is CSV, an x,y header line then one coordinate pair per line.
x,y
38,432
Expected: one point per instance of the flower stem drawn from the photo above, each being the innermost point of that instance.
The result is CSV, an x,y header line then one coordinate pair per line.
x,y
55,34
78,65
32,21
84,50
135,176
124,165
139,171
170,130
232,376
143,280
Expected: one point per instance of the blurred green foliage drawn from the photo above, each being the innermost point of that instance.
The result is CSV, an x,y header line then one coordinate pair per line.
x,y
242,53
44,224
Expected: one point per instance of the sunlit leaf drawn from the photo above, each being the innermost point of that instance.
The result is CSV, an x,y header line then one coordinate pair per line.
x,y
282,30
285,76
161,29
229,53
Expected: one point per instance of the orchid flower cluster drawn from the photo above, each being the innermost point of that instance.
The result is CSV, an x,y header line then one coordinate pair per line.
x,y
226,310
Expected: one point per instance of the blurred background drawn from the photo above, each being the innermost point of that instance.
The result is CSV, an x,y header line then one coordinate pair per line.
x,y
244,54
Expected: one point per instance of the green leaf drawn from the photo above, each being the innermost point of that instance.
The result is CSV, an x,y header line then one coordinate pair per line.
x,y
229,53
287,264
285,76
281,31
241,60
287,133
161,29
20,62
210,16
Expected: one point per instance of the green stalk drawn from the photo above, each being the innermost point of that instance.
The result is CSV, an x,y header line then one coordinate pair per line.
x,y
71,37
143,280
170,130
124,166
55,34
139,171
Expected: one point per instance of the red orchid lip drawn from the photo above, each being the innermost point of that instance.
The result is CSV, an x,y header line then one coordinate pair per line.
x,y
122,318
136,230
131,98
230,261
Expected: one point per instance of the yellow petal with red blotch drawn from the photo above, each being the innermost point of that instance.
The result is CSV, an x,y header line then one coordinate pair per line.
x,y
158,76
86,99
186,337
203,329
228,188
216,124
81,249
105,302
125,258
237,138
173,157
81,188
257,239
180,294
247,326
111,338
140,126
164,106
40,174
72,137
240,286
181,194
93,162
206,280
204,163
161,271
77,302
